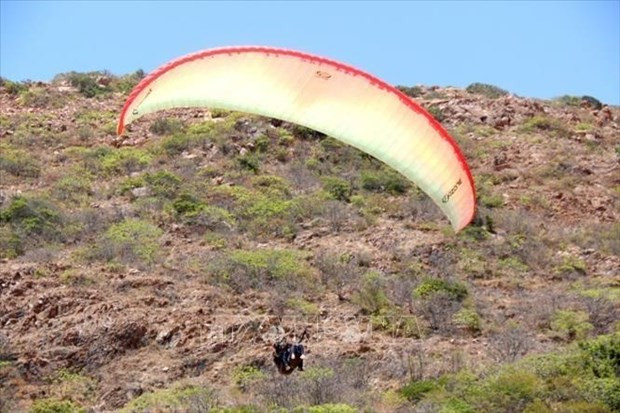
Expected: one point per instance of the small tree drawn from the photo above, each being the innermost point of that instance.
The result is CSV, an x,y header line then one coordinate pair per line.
x,y
372,294
510,343
337,271
336,214
417,363
490,91
320,384
603,313
438,310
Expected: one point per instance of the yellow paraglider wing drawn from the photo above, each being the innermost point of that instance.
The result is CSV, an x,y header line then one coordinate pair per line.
x,y
327,96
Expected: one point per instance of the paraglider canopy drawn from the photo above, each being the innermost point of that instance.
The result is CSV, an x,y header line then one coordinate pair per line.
x,y
330,97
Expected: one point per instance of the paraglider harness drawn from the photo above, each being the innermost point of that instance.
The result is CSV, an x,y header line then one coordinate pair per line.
x,y
289,356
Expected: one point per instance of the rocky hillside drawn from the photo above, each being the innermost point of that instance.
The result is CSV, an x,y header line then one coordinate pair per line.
x,y
153,272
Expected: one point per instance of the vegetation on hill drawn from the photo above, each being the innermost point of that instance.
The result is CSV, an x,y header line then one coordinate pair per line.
x,y
177,254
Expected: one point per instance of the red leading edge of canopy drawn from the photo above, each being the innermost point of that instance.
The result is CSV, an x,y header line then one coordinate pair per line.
x,y
305,56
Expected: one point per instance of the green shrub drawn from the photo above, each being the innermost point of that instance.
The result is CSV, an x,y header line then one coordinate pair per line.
x,y
5,122
163,183
571,325
125,160
538,122
314,164
514,387
395,322
130,241
302,306
372,297
436,112
198,214
19,163
182,398
235,197
239,409
215,240
272,184
268,211
414,91
577,407
191,208
326,408
602,355
471,261
602,237
245,376
384,180
74,188
86,83
261,143
544,124
492,201
187,204
338,188
33,216
261,269
515,264
52,405
276,264
126,83
13,88
569,100
537,406
490,91
33,130
285,138
220,113
112,161
265,207
606,390
166,126
11,245
584,126
456,405
75,277
249,161
70,385
203,128
578,379
468,319
90,157
431,286
176,144
95,117
416,390
331,147
130,183
476,232
38,97
571,265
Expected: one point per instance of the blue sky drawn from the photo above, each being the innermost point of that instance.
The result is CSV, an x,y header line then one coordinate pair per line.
x,y
537,49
